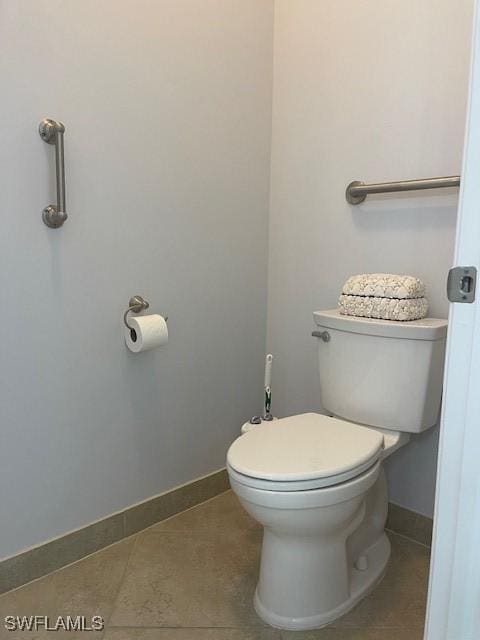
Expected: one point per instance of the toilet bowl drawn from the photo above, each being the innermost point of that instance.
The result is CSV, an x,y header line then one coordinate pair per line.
x,y
306,480
316,483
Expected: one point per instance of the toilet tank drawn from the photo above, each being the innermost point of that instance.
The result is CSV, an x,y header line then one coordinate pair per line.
x,y
381,373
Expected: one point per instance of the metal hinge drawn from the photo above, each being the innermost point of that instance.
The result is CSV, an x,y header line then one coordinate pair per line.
x,y
461,284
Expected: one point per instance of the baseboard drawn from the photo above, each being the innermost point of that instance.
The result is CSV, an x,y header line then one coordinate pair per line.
x,y
39,561
55,554
410,524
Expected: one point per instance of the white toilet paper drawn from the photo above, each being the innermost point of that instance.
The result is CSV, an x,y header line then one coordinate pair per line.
x,y
147,333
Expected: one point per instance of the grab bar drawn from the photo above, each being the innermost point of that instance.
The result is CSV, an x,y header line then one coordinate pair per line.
x,y
51,131
357,191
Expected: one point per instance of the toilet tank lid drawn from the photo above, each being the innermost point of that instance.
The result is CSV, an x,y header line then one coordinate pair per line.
x,y
425,329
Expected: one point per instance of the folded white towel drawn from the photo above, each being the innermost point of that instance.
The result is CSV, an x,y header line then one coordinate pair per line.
x,y
383,308
384,285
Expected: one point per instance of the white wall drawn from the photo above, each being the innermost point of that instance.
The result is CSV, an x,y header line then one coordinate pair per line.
x,y
167,107
367,91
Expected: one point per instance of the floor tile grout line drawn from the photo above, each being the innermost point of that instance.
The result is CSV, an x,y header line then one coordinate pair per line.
x,y
259,626
152,626
402,535
120,583
267,627
188,533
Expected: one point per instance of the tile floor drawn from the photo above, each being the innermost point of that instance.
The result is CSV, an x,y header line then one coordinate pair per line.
x,y
193,577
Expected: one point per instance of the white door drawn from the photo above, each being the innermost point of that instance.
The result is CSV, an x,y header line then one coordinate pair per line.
x,y
453,611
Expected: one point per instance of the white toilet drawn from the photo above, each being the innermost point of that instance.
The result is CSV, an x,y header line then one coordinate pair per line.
x,y
316,483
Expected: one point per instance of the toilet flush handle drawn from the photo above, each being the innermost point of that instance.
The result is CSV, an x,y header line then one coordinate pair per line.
x,y
323,335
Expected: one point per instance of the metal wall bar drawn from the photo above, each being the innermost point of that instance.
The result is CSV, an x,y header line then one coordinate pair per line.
x,y
357,191
52,131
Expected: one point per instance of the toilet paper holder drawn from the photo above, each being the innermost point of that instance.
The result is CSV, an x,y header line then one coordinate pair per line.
x,y
135,305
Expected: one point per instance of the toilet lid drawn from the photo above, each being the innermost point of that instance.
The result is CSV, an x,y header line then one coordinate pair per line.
x,y
309,446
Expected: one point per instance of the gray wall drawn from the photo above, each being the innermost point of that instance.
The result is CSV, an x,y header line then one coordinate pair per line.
x,y
168,114
370,91
167,107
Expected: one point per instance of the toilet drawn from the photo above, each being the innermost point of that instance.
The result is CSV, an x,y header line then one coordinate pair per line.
x,y
316,482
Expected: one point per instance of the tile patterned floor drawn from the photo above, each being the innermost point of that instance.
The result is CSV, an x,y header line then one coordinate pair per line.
x,y
193,577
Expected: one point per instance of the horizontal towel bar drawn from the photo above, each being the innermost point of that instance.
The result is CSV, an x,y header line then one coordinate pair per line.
x,y
357,191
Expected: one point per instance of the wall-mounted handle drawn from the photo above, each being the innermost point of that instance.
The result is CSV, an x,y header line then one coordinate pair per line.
x,y
52,131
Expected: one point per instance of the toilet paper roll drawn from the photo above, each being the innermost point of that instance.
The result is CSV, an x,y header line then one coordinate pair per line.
x,y
147,332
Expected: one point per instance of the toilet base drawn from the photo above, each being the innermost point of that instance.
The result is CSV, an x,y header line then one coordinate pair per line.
x,y
361,583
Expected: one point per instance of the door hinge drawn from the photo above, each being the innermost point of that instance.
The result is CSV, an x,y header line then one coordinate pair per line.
x,y
461,284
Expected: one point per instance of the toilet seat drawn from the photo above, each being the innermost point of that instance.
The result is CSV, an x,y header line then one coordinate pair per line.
x,y
302,452
298,485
